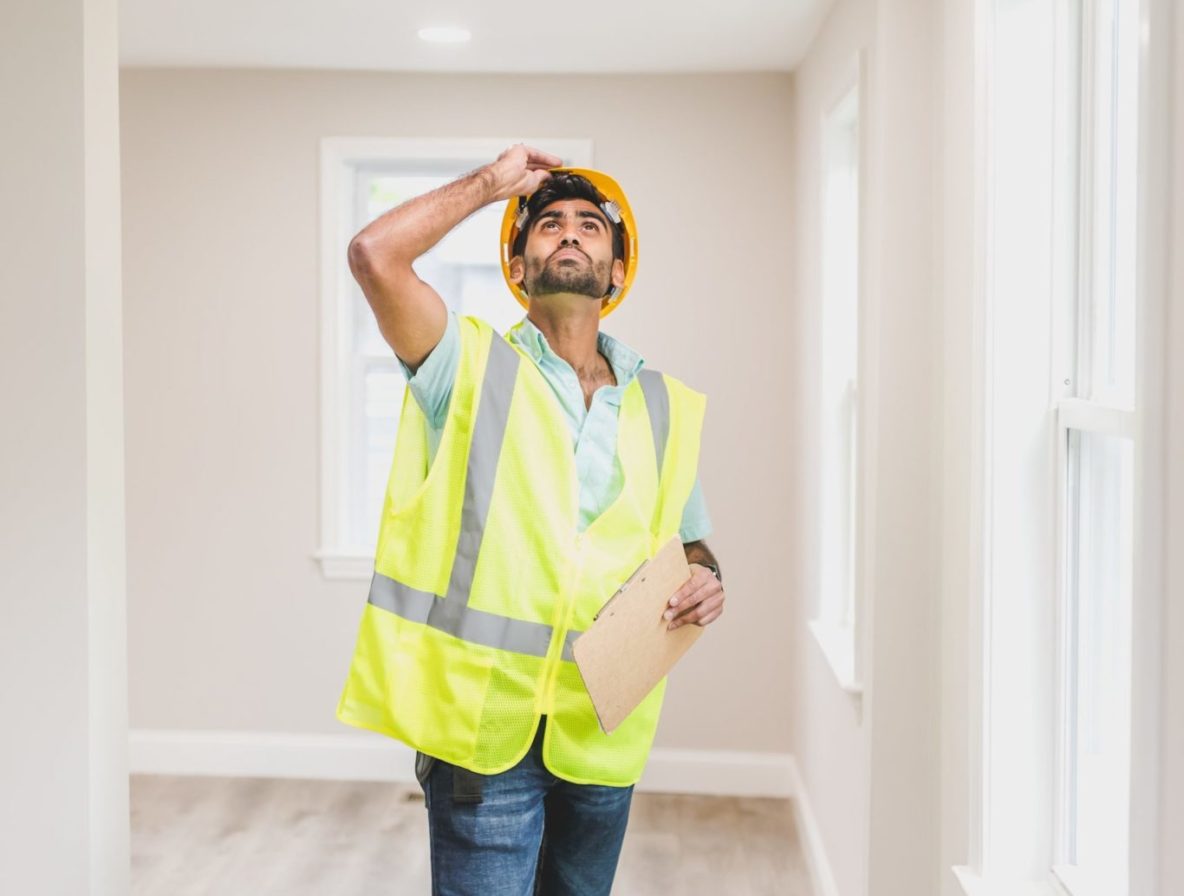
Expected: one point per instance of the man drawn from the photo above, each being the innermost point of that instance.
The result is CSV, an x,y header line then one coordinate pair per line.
x,y
533,473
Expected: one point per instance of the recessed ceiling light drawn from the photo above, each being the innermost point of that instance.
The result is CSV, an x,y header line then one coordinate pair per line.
x,y
444,35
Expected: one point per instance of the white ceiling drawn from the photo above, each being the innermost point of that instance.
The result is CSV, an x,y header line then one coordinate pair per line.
x,y
508,36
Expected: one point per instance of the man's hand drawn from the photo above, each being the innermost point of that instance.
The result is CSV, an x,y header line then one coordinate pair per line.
x,y
519,171
700,600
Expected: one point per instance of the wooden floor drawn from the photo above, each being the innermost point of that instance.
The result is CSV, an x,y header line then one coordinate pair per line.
x,y
205,836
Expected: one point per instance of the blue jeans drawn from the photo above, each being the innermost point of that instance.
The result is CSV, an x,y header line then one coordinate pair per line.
x,y
531,833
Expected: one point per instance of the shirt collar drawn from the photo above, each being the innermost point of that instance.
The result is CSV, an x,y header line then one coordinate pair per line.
x,y
625,361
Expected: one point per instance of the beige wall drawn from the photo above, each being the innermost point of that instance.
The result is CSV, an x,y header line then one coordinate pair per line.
x,y
231,625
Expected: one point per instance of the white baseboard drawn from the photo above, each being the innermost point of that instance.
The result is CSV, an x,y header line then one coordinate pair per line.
x,y
366,756
820,871
363,756
718,773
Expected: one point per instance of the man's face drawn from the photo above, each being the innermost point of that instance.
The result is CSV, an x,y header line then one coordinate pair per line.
x,y
569,249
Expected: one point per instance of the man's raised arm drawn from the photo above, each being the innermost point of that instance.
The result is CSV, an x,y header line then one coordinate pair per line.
x,y
410,313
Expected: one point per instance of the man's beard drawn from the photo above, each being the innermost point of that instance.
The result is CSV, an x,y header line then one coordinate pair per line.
x,y
580,278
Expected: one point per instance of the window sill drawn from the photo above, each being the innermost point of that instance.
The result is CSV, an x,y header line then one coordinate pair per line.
x,y
1073,881
838,646
974,885
346,566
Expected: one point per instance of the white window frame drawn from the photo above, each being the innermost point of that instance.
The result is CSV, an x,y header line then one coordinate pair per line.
x,y
340,157
836,627
988,874
1141,426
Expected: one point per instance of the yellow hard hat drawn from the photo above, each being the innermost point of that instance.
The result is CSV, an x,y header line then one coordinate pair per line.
x,y
615,206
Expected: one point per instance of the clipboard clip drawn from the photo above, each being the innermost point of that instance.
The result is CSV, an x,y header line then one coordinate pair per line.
x,y
624,587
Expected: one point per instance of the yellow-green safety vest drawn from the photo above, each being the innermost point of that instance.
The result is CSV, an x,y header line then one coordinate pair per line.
x,y
482,579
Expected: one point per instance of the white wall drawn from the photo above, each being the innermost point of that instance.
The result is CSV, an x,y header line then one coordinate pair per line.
x,y
904,683
231,626
955,254
1172,699
64,815
871,768
829,737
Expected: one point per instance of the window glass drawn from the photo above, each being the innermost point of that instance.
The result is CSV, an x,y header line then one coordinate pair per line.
x,y
839,360
1099,637
465,269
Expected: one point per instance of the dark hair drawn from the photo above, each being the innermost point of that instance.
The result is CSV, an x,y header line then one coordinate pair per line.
x,y
565,185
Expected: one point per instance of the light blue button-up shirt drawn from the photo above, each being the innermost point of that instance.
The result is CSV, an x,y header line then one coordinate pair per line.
x,y
593,428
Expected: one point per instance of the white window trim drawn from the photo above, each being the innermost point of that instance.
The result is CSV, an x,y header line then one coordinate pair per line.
x,y
843,645
339,157
837,643
1147,425
1149,591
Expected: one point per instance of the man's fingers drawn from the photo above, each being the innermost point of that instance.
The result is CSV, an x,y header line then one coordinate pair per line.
x,y
700,578
707,620
702,614
700,610
536,158
701,597
522,157
684,598
689,587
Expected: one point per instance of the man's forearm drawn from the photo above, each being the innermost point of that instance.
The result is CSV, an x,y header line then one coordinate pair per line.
x,y
698,552
407,231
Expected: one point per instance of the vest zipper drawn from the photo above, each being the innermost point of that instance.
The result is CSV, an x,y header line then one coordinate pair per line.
x,y
563,614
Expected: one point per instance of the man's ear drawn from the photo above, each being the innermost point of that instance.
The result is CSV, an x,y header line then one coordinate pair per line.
x,y
517,271
618,276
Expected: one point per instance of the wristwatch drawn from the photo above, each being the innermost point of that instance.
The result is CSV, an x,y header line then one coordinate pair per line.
x,y
714,571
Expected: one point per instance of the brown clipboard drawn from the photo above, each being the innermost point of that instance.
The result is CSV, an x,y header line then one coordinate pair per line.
x,y
628,649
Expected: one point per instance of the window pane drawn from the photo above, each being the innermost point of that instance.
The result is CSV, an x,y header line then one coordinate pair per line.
x,y
839,355
384,192
1114,114
367,337
1100,525
383,391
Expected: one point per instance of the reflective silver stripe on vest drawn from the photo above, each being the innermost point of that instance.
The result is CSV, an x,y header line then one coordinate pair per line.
x,y
571,639
469,624
657,402
451,613
489,430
